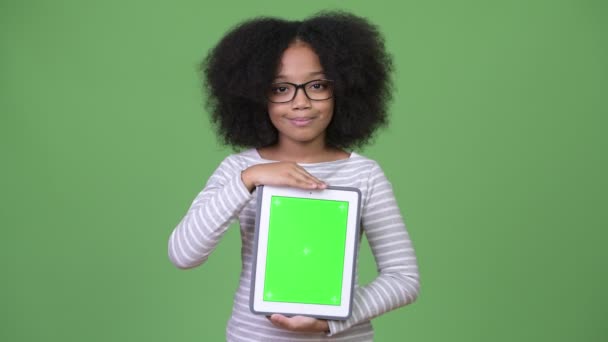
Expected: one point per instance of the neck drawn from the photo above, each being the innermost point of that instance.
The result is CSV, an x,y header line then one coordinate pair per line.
x,y
309,152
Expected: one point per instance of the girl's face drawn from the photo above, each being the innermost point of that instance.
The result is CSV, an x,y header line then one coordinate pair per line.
x,y
301,120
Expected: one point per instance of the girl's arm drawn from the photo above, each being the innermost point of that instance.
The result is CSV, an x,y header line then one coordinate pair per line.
x,y
398,281
219,203
210,214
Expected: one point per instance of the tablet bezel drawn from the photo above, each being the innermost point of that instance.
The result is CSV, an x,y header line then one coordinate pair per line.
x,y
337,312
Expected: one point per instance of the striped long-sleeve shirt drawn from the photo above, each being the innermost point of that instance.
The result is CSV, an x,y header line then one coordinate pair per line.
x,y
225,198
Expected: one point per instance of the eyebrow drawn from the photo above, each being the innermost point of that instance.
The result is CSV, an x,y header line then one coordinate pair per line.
x,y
314,73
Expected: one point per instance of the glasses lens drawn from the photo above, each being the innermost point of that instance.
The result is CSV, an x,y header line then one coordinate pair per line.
x,y
319,89
281,92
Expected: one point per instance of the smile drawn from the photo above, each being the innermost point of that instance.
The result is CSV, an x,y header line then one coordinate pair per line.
x,y
300,122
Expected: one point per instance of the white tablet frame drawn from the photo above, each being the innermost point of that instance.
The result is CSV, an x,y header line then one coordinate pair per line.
x,y
341,312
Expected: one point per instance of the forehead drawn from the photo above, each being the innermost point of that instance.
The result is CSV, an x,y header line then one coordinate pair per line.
x,y
299,61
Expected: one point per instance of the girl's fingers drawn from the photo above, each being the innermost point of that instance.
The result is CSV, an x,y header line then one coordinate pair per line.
x,y
280,174
304,173
307,181
308,176
283,173
303,183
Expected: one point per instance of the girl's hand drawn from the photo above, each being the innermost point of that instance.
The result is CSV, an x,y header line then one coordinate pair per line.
x,y
299,323
280,174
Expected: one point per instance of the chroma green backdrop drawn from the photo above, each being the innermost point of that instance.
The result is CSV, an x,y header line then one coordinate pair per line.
x,y
496,151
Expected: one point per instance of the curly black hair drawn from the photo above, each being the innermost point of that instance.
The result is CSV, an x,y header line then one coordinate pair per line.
x,y
238,71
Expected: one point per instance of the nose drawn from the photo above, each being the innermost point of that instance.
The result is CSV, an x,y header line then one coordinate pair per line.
x,y
300,101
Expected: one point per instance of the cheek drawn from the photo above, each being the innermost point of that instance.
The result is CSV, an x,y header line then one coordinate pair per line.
x,y
276,118
328,111
273,113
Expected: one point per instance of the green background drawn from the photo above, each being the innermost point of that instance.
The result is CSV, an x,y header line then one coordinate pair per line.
x,y
496,151
305,253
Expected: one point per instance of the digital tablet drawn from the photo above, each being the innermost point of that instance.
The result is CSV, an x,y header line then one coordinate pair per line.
x,y
305,251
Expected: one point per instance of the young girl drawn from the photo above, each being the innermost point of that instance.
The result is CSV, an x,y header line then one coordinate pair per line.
x,y
298,95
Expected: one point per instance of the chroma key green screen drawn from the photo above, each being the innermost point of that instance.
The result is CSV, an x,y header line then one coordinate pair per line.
x,y
305,256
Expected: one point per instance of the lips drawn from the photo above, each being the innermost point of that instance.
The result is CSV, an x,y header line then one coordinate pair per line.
x,y
300,122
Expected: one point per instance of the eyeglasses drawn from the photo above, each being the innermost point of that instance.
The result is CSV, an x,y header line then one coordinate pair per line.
x,y
316,90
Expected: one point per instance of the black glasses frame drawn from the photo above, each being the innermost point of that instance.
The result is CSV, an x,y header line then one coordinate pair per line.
x,y
303,87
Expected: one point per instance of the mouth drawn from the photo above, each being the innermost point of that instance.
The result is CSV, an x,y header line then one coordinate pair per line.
x,y
300,122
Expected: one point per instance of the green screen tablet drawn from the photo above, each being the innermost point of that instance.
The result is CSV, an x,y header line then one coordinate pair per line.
x,y
305,251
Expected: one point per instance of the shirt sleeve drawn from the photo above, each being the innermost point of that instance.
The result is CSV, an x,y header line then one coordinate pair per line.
x,y
397,283
209,215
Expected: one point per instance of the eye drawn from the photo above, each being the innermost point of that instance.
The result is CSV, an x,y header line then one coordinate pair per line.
x,y
318,85
278,89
